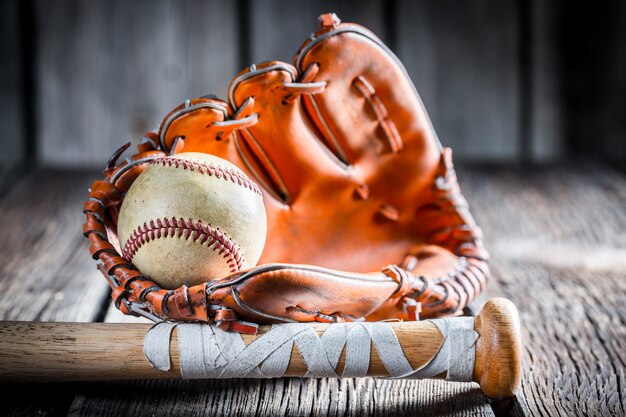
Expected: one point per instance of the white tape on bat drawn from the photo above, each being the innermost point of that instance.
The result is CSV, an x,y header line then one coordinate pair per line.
x,y
208,352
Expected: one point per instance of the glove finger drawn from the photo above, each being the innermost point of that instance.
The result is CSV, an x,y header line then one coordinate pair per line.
x,y
202,124
370,109
208,125
191,122
280,148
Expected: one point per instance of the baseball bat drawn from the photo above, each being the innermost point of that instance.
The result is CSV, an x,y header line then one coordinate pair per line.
x,y
44,351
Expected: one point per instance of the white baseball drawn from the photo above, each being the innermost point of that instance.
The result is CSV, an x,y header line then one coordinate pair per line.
x,y
190,218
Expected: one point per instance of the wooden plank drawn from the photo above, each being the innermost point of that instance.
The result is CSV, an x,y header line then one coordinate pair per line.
x,y
545,130
46,272
109,71
284,396
559,255
11,104
45,269
279,27
463,59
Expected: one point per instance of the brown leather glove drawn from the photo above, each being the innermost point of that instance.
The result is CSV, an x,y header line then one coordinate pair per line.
x,y
365,216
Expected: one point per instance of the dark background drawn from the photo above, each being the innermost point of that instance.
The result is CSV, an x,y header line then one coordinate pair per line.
x,y
522,82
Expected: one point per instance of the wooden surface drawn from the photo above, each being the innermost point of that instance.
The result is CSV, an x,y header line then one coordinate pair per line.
x,y
454,49
560,254
541,120
44,274
595,71
558,249
132,62
109,71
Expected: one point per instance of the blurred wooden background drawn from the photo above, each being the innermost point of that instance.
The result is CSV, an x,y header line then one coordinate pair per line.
x,y
521,81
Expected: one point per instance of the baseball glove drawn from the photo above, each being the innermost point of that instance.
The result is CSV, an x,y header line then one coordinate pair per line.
x,y
365,216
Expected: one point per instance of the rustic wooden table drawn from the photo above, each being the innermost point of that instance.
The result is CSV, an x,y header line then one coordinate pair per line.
x,y
556,236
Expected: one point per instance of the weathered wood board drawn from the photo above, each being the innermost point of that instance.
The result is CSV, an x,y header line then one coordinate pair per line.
x,y
285,396
106,72
45,269
463,59
557,252
502,81
46,272
109,71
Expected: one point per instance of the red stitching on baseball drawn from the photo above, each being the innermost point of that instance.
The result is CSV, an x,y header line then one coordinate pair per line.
x,y
211,169
186,229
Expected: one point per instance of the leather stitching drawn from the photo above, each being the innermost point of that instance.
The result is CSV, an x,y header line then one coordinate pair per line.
x,y
211,169
382,115
187,229
462,237
321,317
257,162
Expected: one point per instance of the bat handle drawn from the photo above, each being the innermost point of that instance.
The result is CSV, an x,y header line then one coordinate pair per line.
x,y
498,360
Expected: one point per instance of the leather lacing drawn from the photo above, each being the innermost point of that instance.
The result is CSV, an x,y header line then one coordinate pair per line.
x,y
137,295
242,119
388,128
132,292
304,85
450,293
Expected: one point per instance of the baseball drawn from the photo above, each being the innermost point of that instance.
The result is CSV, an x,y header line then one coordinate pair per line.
x,y
190,218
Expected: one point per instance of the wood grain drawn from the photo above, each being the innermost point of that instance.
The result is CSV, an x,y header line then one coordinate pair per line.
x,y
498,366
281,397
542,119
558,254
502,81
45,270
33,351
108,71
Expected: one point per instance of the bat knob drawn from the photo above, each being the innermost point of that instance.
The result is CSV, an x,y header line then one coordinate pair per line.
x,y
498,364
